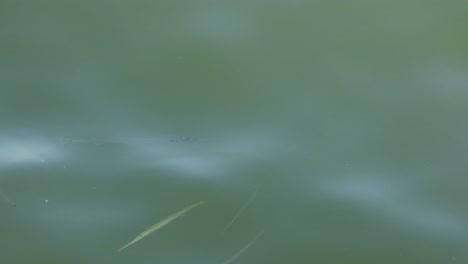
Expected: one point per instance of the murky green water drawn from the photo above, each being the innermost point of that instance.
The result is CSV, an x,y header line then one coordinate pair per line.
x,y
338,129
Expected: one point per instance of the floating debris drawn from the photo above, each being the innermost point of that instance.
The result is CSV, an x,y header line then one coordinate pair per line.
x,y
6,198
241,209
162,223
97,141
231,259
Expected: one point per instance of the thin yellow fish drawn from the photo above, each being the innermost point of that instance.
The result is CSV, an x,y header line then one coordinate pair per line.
x,y
162,223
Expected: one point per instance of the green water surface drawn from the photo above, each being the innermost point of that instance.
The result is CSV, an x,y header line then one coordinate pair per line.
x,y
335,129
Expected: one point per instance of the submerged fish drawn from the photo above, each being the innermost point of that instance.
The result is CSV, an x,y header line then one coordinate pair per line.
x,y
162,223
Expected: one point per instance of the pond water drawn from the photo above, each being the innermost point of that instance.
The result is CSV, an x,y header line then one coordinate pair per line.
x,y
313,131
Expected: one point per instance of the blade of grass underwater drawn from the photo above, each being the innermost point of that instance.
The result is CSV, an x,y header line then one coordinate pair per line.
x,y
162,223
240,211
231,259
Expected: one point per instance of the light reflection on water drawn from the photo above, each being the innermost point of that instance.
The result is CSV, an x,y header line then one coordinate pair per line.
x,y
19,152
213,163
399,204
